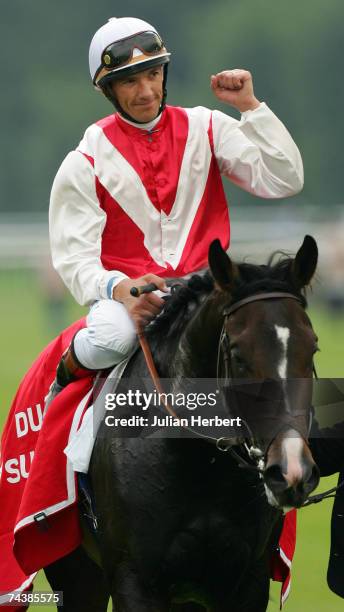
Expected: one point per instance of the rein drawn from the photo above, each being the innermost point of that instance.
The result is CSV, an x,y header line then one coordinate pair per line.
x,y
317,498
156,381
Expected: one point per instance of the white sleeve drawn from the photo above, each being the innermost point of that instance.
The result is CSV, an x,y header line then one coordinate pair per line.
x,y
257,153
76,223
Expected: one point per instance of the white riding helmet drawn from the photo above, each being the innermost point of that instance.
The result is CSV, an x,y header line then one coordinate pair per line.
x,y
124,45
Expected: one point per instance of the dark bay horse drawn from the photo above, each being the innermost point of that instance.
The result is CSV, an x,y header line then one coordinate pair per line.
x,y
182,526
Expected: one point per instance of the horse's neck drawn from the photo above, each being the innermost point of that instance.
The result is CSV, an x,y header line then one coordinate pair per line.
x,y
196,354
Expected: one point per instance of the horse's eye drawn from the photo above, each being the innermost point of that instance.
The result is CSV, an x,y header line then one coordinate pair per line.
x,y
235,353
240,364
241,368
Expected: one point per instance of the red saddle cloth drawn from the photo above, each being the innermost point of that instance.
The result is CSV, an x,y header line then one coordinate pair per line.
x,y
35,476
38,492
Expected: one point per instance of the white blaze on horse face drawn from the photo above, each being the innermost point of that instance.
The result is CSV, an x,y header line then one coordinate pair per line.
x,y
293,447
283,334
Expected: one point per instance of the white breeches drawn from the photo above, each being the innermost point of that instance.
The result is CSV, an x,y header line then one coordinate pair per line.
x,y
108,338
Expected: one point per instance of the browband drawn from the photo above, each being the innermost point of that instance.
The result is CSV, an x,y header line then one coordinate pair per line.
x,y
259,296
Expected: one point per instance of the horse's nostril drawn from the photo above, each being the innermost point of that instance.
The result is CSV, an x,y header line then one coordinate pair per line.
x,y
274,478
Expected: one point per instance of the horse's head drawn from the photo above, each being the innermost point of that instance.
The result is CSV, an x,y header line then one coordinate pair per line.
x,y
267,349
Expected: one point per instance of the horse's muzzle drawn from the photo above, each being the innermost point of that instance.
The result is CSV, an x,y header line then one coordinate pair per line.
x,y
283,495
291,474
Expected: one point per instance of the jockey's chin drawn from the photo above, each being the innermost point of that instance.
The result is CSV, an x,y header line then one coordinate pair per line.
x,y
144,112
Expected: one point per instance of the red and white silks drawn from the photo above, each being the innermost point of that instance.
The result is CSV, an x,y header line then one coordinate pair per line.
x,y
142,184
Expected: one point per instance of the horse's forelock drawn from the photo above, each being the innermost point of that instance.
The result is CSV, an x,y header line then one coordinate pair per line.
x,y
274,276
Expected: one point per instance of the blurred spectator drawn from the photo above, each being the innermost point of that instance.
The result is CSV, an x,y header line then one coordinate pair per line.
x,y
54,296
334,276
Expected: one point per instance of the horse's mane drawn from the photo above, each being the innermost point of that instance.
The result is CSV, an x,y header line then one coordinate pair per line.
x,y
186,296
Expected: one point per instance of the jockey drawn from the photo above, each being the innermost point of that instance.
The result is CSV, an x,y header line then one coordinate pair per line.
x,y
141,197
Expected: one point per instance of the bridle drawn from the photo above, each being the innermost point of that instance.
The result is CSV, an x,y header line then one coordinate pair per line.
x,y
255,460
254,452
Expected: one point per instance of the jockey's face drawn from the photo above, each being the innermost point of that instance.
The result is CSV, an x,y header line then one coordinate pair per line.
x,y
140,95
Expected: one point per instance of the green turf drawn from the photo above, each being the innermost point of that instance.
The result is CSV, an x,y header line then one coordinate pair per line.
x,y
30,321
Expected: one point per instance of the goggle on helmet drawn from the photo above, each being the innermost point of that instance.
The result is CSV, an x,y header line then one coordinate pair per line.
x,y
131,55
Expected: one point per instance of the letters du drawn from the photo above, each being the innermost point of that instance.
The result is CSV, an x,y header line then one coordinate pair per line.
x,y
29,420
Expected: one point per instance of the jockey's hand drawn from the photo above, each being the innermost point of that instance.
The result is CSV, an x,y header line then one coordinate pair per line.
x,y
142,309
235,87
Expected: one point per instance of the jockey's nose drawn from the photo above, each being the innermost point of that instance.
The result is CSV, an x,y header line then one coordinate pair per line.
x,y
145,88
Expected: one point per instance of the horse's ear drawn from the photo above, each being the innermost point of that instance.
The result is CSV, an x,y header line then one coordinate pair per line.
x,y
305,263
222,268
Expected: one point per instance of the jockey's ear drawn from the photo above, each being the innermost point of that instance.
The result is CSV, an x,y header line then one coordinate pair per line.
x,y
222,268
305,263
